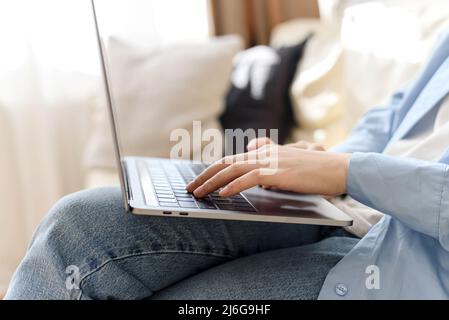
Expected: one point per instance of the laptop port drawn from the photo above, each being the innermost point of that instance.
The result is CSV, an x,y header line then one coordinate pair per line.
x,y
167,212
183,214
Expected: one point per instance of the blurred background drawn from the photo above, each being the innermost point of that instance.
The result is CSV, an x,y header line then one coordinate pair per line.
x,y
309,68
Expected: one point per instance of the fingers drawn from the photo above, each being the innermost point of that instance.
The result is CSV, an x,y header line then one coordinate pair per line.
x,y
247,181
217,167
229,169
205,175
224,177
258,142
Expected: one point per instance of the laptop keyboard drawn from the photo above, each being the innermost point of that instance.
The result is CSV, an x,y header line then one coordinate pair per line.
x,y
169,182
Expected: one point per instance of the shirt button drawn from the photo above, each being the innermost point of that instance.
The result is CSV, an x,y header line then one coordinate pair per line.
x,y
341,289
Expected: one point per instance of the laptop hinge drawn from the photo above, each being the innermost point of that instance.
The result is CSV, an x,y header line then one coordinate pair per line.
x,y
128,192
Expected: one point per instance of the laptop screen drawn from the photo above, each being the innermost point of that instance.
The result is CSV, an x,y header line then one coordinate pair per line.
x,y
142,43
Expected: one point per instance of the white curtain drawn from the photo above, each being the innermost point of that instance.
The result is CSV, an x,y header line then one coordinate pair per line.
x,y
48,85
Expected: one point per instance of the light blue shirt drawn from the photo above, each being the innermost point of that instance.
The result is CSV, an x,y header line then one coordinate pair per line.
x,y
405,255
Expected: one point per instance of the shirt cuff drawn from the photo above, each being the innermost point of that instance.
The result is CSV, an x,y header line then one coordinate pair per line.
x,y
409,190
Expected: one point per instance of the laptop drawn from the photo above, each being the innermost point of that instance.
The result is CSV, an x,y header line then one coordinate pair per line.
x,y
156,187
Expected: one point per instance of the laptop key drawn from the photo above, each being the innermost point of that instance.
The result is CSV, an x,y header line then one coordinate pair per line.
x,y
171,200
181,193
166,196
223,201
159,180
185,204
166,192
205,204
169,204
183,196
181,186
161,185
225,206
161,189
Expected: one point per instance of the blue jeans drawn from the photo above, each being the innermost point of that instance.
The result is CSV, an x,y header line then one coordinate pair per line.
x,y
88,247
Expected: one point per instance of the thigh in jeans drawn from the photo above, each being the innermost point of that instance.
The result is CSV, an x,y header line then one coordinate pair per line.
x,y
290,273
123,256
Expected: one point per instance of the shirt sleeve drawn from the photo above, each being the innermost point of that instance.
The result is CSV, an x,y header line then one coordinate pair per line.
x,y
413,191
375,128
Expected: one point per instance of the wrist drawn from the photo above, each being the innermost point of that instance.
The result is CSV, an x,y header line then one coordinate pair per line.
x,y
343,160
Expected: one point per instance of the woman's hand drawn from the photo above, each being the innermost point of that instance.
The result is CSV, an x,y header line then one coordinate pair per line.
x,y
298,168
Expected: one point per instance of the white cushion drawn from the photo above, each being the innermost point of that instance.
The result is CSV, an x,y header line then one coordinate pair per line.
x,y
385,45
345,72
159,89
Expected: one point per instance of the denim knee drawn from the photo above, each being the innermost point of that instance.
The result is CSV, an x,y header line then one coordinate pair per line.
x,y
74,219
93,225
90,232
88,206
89,228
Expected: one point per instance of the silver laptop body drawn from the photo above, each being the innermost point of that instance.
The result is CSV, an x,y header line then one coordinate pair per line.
x,y
156,187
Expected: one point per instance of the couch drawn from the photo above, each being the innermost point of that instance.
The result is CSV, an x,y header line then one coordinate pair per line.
x,y
350,65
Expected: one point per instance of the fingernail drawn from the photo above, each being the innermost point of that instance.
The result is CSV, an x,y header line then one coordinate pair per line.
x,y
224,192
198,192
192,185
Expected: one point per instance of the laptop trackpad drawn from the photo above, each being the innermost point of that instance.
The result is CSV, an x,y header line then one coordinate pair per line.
x,y
273,202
